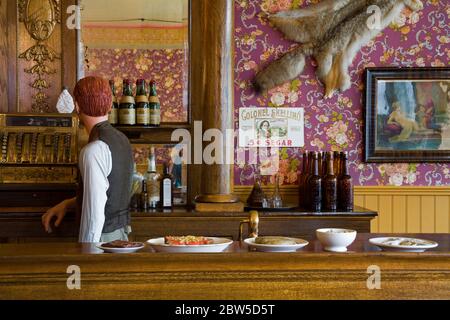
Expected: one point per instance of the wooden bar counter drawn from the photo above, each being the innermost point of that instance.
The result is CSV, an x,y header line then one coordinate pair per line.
x,y
19,225
39,271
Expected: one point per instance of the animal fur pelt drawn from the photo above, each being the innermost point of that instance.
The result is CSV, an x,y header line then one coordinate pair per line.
x,y
333,32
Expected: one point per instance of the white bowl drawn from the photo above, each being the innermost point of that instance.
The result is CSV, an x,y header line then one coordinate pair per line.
x,y
336,240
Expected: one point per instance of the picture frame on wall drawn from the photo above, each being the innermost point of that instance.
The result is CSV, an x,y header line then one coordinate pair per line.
x,y
407,115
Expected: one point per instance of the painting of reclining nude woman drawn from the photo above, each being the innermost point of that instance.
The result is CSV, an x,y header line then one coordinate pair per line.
x,y
410,116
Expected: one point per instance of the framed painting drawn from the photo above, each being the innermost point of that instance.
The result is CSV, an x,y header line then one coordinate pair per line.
x,y
407,115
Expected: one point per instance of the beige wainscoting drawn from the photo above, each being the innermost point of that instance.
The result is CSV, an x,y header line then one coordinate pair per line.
x,y
400,209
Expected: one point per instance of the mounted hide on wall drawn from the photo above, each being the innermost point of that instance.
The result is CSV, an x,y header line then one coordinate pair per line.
x,y
333,32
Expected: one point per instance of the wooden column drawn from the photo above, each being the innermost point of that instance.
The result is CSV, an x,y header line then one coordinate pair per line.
x,y
212,87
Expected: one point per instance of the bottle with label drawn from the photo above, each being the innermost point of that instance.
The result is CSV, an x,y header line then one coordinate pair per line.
x,y
302,181
315,186
142,105
345,186
155,106
144,196
127,107
166,192
113,116
329,186
153,182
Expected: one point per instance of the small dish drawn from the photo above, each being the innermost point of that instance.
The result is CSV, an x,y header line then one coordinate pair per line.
x,y
218,245
336,240
120,250
401,244
300,243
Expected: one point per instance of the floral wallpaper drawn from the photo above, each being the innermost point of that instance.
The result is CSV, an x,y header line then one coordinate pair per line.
x,y
167,67
414,39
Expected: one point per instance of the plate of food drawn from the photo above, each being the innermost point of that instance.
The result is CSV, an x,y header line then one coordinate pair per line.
x,y
276,244
119,246
403,244
190,244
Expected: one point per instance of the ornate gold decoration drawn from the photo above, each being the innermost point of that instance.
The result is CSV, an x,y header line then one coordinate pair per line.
x,y
40,18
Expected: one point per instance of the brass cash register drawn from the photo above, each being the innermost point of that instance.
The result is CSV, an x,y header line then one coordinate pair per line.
x,y
38,149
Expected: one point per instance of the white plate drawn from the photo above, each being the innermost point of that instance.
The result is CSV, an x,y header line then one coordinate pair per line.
x,y
275,247
120,250
219,245
393,244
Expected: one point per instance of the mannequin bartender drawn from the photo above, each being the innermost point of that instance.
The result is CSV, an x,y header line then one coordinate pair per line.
x,y
106,168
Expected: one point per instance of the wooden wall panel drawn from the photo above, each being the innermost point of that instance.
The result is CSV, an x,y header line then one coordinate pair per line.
x,y
442,214
3,56
414,220
399,213
428,214
16,91
400,209
372,204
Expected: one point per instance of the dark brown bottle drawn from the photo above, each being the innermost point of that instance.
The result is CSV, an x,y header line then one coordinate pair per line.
x,y
330,186
307,195
166,189
320,163
337,163
144,196
323,171
302,179
315,186
345,187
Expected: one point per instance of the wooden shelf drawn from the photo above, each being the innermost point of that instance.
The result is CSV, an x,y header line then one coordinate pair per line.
x,y
143,134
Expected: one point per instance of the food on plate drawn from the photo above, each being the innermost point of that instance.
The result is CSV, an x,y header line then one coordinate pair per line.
x,y
122,244
187,240
275,240
406,242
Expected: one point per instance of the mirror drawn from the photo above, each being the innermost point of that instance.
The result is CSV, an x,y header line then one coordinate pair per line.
x,y
139,39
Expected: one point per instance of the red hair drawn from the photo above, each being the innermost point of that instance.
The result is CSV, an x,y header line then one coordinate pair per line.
x,y
93,96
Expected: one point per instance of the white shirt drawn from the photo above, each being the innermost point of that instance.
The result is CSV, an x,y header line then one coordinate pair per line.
x,y
95,167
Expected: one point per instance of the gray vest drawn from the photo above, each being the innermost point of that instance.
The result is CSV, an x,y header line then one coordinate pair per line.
x,y
117,214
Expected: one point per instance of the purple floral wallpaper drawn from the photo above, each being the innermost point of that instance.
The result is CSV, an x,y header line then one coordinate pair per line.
x,y
414,39
167,67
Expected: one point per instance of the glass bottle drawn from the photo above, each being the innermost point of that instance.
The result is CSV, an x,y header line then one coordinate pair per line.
x,y
329,186
310,173
315,186
345,187
144,196
337,163
166,189
114,113
127,108
257,198
302,181
142,104
155,106
277,201
153,182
